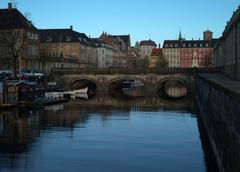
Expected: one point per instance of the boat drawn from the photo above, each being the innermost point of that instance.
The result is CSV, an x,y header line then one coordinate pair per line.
x,y
69,95
81,96
77,94
81,91
136,83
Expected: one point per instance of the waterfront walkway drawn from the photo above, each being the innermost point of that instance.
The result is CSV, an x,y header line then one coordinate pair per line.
x,y
227,84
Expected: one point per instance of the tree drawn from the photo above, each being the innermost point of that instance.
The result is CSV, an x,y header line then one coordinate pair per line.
x,y
162,62
143,63
13,41
137,44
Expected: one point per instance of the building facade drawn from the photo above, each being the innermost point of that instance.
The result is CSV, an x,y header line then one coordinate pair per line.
x,y
146,47
133,57
19,41
66,48
196,53
121,46
227,49
171,51
104,53
190,53
155,55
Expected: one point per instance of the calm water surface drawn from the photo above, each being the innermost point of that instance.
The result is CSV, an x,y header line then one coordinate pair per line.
x,y
74,138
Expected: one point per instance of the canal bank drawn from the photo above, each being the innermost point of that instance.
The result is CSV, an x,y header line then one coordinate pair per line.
x,y
218,100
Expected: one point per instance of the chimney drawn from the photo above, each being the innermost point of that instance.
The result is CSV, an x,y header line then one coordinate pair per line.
x,y
159,45
71,27
9,6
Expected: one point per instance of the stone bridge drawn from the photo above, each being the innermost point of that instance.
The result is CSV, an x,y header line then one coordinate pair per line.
x,y
152,79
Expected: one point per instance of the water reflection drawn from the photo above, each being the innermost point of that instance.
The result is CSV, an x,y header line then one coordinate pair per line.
x,y
101,136
174,89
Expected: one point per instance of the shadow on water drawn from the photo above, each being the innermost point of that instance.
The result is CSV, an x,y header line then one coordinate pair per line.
x,y
21,130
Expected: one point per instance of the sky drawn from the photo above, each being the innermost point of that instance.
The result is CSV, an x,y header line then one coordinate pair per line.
x,y
143,19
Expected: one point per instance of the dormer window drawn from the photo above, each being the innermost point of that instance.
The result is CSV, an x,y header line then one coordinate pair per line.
x,y
49,39
189,45
171,45
184,45
68,39
166,45
29,35
176,45
195,45
206,45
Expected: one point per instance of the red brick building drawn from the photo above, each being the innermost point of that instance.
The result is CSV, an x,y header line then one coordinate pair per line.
x,y
196,54
190,53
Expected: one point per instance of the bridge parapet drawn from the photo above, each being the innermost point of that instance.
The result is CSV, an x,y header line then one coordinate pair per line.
x,y
69,71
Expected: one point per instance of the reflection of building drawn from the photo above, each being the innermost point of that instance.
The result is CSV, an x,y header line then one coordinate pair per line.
x,y
66,48
18,39
190,53
146,47
226,51
104,53
121,45
17,132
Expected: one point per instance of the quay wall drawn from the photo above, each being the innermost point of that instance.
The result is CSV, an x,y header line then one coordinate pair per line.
x,y
220,112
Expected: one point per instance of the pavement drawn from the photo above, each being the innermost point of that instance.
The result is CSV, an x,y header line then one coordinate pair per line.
x,y
230,85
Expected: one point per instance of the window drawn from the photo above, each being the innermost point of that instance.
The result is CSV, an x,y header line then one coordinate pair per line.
x,y
189,45
195,44
49,39
206,45
184,45
68,38
166,45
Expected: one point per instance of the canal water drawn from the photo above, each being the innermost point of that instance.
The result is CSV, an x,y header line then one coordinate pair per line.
x,y
91,137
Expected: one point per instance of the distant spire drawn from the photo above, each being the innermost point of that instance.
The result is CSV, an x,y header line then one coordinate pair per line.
x,y
180,38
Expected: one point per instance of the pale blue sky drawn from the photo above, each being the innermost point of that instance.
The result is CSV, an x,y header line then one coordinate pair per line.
x,y
142,19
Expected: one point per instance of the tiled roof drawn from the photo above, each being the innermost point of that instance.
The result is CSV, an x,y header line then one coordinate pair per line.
x,y
156,52
13,19
175,43
148,42
125,38
189,43
99,43
62,35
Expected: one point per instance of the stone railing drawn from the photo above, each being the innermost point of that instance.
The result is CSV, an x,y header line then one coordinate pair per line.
x,y
68,71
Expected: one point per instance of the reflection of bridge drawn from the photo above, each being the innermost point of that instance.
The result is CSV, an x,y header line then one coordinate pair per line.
x,y
151,78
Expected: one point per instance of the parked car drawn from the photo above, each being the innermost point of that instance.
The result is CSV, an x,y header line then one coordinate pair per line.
x,y
33,75
6,75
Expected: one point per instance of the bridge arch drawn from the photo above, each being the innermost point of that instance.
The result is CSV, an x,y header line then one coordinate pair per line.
x,y
120,78
116,85
77,80
173,80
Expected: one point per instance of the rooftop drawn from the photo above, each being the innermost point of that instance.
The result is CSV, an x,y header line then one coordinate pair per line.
x,y
11,18
148,42
62,35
